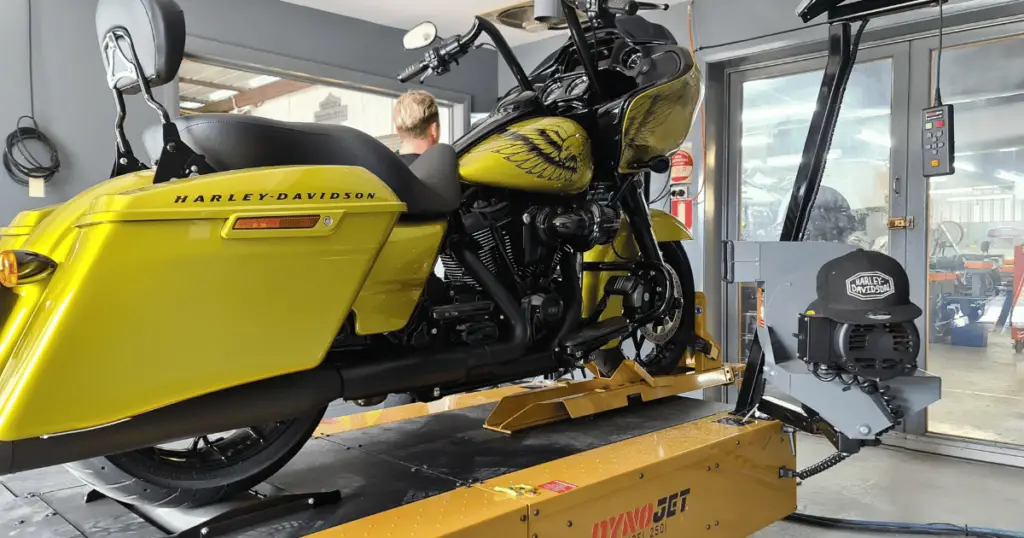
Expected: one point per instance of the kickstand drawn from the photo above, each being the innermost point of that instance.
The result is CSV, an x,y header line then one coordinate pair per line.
x,y
261,511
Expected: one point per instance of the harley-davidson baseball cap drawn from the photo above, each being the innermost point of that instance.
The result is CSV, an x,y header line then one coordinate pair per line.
x,y
864,287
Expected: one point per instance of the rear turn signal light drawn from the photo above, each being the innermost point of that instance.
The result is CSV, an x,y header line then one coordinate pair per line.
x,y
277,223
8,269
19,267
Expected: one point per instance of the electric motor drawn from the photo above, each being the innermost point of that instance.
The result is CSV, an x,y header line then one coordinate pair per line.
x,y
878,351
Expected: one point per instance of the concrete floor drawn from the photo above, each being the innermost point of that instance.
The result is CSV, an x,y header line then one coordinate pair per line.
x,y
982,391
894,484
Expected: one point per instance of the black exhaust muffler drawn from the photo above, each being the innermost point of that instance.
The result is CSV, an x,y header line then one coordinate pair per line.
x,y
262,402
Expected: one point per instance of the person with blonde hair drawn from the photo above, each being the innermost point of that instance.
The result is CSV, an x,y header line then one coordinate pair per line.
x,y
417,123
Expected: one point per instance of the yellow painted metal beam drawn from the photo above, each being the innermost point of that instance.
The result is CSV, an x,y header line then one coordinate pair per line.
x,y
708,477
378,417
583,398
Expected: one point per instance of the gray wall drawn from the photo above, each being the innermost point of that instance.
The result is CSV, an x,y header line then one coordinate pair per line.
x,y
72,103
291,31
75,109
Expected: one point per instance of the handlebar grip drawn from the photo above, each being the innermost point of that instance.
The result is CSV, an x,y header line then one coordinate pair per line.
x,y
412,72
648,6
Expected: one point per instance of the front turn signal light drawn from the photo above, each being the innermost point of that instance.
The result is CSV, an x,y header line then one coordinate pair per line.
x,y
19,267
8,269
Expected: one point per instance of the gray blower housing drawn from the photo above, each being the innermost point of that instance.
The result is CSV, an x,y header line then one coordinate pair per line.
x,y
785,273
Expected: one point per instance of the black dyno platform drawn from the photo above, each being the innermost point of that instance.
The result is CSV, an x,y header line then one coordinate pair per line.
x,y
376,469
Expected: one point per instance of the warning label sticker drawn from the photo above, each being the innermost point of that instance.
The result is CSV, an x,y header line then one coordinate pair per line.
x,y
557,486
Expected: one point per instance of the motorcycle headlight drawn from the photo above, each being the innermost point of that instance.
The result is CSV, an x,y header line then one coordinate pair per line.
x,y
19,267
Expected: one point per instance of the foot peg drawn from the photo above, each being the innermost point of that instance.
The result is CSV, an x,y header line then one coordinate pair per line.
x,y
462,310
591,337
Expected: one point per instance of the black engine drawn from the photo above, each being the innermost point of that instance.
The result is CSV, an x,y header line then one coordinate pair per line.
x,y
522,244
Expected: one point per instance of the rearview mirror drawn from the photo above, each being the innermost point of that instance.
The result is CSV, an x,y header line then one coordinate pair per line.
x,y
422,35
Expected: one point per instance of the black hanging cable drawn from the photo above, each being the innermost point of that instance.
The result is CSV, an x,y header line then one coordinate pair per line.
x,y
19,162
937,101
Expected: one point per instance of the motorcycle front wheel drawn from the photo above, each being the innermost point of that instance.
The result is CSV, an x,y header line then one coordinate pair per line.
x,y
199,471
666,354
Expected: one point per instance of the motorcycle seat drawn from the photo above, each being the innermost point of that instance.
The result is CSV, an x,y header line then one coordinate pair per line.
x,y
429,187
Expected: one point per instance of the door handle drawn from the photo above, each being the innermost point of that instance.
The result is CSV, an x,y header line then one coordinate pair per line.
x,y
896,185
728,261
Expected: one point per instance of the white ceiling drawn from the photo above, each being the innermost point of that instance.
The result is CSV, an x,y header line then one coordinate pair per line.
x,y
450,16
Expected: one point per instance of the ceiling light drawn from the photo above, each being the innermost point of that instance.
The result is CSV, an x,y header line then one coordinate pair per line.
x,y
979,198
875,137
262,80
965,165
190,105
974,190
764,113
795,158
220,95
783,160
1009,176
756,140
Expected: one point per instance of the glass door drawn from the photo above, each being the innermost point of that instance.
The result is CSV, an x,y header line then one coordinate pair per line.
x,y
854,202
968,246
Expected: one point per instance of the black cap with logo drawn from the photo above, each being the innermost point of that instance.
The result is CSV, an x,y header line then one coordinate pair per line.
x,y
864,287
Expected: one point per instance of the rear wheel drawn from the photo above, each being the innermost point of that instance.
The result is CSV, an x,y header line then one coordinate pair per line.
x,y
669,337
199,471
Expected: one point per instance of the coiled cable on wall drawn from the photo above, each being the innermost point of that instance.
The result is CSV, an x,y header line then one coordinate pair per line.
x,y
19,162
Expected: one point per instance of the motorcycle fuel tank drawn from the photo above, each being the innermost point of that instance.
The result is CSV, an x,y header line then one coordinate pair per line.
x,y
549,155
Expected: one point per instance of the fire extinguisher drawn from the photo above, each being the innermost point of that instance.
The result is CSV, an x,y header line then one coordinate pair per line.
x,y
680,176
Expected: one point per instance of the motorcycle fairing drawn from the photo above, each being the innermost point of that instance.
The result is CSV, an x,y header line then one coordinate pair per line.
x,y
658,119
158,294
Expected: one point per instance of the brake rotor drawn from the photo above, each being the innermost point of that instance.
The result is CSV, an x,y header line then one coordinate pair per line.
x,y
663,332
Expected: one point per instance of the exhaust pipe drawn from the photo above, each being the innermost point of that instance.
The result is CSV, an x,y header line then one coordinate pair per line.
x,y
256,403
449,367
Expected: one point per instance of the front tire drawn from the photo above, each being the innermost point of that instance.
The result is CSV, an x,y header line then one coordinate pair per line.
x,y
204,473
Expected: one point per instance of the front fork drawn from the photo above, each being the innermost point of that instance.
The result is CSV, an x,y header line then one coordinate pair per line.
x,y
634,204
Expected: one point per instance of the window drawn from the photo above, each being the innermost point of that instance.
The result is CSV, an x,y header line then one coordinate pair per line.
x,y
852,204
209,88
975,241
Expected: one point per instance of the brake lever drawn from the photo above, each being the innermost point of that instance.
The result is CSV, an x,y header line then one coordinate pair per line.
x,y
425,75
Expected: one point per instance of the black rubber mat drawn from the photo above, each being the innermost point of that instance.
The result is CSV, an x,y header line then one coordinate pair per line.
x,y
376,469
454,447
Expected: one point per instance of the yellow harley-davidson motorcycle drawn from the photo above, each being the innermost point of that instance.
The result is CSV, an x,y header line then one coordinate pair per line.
x,y
262,269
